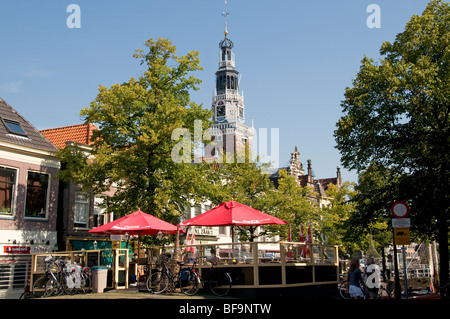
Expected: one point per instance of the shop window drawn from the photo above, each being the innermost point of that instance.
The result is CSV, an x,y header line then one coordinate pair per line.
x,y
37,195
7,189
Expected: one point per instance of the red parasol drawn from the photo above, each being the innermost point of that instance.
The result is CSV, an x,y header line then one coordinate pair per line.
x,y
232,214
137,223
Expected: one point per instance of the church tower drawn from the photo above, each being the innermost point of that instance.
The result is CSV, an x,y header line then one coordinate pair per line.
x,y
229,133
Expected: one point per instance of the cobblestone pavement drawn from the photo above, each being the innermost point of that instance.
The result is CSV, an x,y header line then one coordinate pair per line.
x,y
134,292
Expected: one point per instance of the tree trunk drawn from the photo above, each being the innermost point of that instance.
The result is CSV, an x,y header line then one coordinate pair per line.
x,y
383,263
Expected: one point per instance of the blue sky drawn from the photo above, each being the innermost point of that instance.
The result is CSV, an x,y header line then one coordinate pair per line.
x,y
295,58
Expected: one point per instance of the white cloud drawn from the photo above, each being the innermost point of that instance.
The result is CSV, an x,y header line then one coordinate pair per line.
x,y
11,87
34,72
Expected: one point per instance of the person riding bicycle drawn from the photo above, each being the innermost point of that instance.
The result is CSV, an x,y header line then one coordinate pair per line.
x,y
355,280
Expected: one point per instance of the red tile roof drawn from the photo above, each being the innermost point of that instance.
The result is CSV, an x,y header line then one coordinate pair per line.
x,y
80,133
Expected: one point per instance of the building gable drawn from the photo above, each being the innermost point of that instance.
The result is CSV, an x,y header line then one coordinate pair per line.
x,y
15,129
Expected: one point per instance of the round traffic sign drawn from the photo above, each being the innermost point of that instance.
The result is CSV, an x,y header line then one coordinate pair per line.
x,y
400,209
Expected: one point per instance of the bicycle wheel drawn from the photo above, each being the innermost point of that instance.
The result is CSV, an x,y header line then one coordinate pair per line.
x,y
51,287
219,282
26,294
383,293
38,288
67,280
86,280
191,284
342,290
157,282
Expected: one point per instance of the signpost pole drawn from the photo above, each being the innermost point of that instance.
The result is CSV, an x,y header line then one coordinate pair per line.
x,y
399,211
404,271
397,287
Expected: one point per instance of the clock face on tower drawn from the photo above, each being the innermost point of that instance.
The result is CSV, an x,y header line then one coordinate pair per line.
x,y
220,110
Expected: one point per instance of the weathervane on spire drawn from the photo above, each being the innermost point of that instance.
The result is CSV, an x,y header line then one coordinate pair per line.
x,y
226,43
225,14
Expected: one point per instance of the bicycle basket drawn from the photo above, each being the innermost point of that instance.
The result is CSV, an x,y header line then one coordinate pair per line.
x,y
184,275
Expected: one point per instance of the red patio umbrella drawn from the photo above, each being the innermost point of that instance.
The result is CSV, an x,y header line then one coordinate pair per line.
x,y
137,223
232,214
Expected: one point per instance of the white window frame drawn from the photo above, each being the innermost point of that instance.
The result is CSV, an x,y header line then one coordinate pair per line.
x,y
77,202
12,213
47,200
99,212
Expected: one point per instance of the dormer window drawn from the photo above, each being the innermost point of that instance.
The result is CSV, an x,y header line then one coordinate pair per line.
x,y
14,127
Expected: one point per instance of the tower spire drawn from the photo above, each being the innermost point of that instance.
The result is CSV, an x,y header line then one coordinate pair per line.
x,y
225,14
230,133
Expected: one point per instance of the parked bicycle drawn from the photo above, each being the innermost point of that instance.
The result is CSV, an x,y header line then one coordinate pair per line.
x,y
27,293
60,277
49,284
164,280
217,280
86,280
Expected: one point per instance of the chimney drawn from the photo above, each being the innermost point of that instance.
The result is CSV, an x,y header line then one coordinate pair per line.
x,y
310,179
338,175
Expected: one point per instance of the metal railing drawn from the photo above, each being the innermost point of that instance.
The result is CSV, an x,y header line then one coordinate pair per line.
x,y
117,260
14,274
229,95
294,264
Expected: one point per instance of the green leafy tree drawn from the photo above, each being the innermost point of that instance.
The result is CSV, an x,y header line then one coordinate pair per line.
x,y
133,147
294,204
396,117
248,183
245,182
335,216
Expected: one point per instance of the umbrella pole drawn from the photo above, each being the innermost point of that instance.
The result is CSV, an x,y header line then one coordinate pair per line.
x,y
177,244
232,244
232,234
137,260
